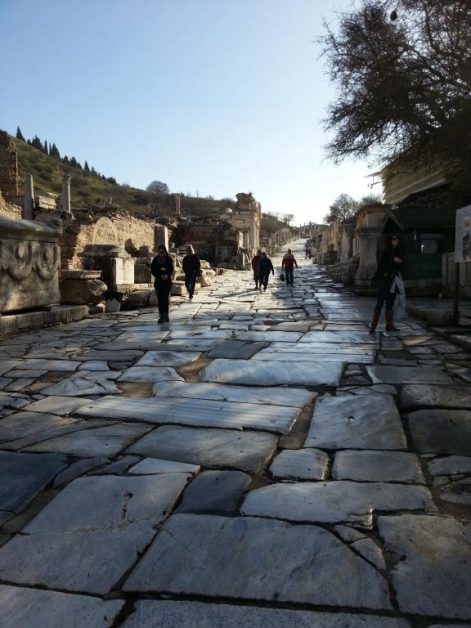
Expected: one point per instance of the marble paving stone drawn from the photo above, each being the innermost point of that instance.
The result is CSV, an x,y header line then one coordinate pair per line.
x,y
342,337
334,502
77,469
8,365
167,358
316,348
377,466
268,336
236,349
407,375
175,614
109,354
441,431
248,451
24,476
94,365
449,465
457,492
215,492
300,464
433,554
57,405
275,373
118,467
71,544
150,374
30,374
151,335
296,397
430,396
362,544
203,334
91,442
256,559
49,365
33,608
15,401
77,386
19,384
359,422
195,412
319,357
97,376
153,466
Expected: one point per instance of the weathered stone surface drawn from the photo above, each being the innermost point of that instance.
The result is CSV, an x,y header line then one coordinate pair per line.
x,y
423,396
175,614
168,358
215,492
236,349
296,397
49,365
300,464
342,337
259,560
268,336
72,543
152,466
441,431
100,441
30,608
83,291
366,422
150,374
24,476
73,387
196,412
334,502
433,554
276,373
30,427
449,465
377,466
248,451
77,469
407,375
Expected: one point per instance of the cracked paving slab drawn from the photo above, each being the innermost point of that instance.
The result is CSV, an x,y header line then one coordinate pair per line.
x,y
71,544
257,559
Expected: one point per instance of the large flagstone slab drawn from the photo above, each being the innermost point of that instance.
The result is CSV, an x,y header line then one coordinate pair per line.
x,y
48,365
91,533
173,614
377,466
274,373
215,492
268,336
109,354
432,564
315,348
319,357
154,466
256,559
300,464
358,422
31,608
91,442
449,465
429,396
77,386
196,412
23,476
248,451
441,431
236,349
408,375
168,358
334,502
343,337
150,374
296,397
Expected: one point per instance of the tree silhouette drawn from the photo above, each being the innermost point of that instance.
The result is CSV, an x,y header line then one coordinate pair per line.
x,y
19,134
158,188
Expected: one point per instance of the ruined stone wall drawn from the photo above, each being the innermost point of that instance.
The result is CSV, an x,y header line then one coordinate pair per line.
x,y
7,209
136,235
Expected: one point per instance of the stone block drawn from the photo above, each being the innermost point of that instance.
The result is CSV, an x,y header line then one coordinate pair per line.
x,y
82,291
136,299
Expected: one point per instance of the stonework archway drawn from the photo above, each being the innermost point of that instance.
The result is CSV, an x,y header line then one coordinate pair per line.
x,y
104,232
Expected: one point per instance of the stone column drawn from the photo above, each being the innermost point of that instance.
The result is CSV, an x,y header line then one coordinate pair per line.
x,y
161,236
367,238
177,204
66,204
28,206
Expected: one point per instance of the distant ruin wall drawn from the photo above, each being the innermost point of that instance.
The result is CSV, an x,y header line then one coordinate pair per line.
x,y
7,209
8,166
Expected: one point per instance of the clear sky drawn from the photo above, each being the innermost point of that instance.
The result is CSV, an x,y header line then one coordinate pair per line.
x,y
212,97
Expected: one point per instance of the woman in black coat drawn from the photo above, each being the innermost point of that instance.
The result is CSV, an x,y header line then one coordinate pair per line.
x,y
192,269
162,269
388,266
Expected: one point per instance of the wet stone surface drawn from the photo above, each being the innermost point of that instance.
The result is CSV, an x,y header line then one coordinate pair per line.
x,y
261,460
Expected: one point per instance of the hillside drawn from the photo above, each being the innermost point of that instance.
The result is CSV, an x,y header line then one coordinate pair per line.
x,y
94,190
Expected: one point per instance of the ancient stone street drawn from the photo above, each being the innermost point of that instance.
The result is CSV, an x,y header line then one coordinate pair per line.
x,y
261,460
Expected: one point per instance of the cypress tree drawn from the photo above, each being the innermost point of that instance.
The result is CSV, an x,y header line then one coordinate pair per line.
x,y
19,134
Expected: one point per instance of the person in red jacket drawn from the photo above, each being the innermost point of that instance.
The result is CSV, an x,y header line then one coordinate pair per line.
x,y
288,264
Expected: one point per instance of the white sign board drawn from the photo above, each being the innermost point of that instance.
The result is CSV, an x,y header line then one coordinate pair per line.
x,y
463,235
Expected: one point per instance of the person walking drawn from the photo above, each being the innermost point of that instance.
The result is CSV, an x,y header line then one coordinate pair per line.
x,y
192,268
162,269
265,267
288,263
256,267
388,267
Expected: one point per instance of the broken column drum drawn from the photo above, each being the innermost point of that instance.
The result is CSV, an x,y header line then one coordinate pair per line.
x,y
29,264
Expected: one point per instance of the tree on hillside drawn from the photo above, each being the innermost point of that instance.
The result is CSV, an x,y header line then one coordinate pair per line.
x,y
342,208
19,134
86,167
36,142
54,151
403,72
46,147
287,219
157,187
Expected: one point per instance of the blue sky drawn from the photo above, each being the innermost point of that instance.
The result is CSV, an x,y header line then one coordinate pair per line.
x,y
212,97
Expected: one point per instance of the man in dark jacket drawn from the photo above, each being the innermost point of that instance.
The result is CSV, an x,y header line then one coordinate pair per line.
x,y
162,269
255,267
265,267
192,269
